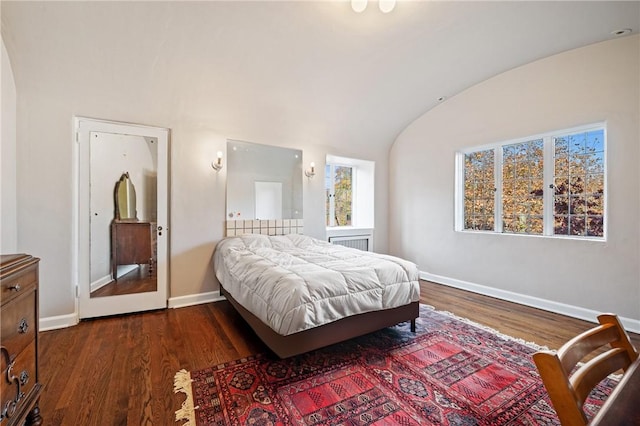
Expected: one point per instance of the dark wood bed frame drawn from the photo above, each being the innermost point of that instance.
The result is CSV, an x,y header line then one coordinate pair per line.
x,y
328,334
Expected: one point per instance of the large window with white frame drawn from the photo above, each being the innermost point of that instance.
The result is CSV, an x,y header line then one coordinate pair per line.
x,y
551,184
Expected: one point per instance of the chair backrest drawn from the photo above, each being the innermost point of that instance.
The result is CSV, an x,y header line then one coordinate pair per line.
x,y
568,391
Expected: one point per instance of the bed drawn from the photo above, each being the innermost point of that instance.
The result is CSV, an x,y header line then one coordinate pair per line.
x,y
299,293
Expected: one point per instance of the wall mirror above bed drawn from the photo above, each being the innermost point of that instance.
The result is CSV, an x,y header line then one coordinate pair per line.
x,y
263,181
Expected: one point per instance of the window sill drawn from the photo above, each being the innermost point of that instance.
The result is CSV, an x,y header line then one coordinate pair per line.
x,y
553,237
337,231
351,228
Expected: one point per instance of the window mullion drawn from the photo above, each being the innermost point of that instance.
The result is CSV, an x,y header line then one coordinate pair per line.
x,y
497,171
549,191
354,195
332,195
459,192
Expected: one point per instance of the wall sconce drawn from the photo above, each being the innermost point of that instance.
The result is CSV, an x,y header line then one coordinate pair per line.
x,y
311,171
217,165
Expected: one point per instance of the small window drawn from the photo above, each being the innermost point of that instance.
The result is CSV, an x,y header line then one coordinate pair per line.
x,y
350,193
552,185
339,194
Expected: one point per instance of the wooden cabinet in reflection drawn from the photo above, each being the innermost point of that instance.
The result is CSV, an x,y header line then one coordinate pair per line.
x,y
131,243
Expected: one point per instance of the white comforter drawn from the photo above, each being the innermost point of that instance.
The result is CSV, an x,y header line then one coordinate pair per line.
x,y
295,282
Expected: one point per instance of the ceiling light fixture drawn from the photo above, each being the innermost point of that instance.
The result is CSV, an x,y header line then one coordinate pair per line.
x,y
385,6
358,6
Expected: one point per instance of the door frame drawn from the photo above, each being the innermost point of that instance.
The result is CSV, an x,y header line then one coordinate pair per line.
x,y
88,307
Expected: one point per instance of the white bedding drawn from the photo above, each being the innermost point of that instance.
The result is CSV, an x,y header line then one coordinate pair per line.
x,y
295,282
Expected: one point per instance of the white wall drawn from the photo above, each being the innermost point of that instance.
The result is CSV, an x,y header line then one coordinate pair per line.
x,y
48,98
8,208
592,84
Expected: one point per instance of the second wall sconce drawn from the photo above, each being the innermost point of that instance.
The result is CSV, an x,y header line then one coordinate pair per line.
x,y
217,165
311,171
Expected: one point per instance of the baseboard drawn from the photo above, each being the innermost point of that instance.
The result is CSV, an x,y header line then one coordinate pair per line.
x,y
60,321
630,324
69,320
121,270
195,299
98,284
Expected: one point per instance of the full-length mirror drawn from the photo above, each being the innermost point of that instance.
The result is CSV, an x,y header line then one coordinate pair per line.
x,y
121,217
123,182
263,182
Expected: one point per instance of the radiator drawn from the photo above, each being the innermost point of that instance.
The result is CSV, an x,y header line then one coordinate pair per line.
x,y
360,242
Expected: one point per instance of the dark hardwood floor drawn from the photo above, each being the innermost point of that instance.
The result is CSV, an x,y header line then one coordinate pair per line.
x,y
119,370
141,280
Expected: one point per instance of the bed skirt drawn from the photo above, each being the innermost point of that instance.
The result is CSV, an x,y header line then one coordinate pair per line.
x,y
328,334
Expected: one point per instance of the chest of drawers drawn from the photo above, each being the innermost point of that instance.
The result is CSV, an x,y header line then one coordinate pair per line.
x,y
130,244
19,386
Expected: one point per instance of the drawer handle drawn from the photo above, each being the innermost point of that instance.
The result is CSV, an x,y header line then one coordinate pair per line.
x,y
11,405
24,377
23,326
16,287
9,409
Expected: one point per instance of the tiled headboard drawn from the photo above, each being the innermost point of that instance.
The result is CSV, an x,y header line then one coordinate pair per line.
x,y
264,227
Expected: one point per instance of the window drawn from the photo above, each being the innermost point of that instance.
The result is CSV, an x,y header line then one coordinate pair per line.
x,y
339,194
522,183
502,187
479,190
579,184
349,188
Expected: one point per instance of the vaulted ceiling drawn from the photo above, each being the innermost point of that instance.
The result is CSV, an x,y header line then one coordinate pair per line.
x,y
306,71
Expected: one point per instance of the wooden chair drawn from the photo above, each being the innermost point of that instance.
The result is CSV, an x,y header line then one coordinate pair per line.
x,y
569,391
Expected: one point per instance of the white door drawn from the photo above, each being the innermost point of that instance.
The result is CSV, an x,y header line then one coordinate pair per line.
x,y
106,150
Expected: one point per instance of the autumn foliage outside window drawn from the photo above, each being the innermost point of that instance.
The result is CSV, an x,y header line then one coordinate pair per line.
x,y
522,187
479,190
339,195
579,184
507,186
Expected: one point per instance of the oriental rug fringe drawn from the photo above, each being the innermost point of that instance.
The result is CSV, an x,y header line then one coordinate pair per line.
x,y
451,372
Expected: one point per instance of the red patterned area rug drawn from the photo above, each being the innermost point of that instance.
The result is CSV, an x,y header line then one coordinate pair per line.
x,y
451,372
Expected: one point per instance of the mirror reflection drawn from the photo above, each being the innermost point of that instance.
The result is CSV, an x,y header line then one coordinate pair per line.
x,y
263,182
123,203
125,195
